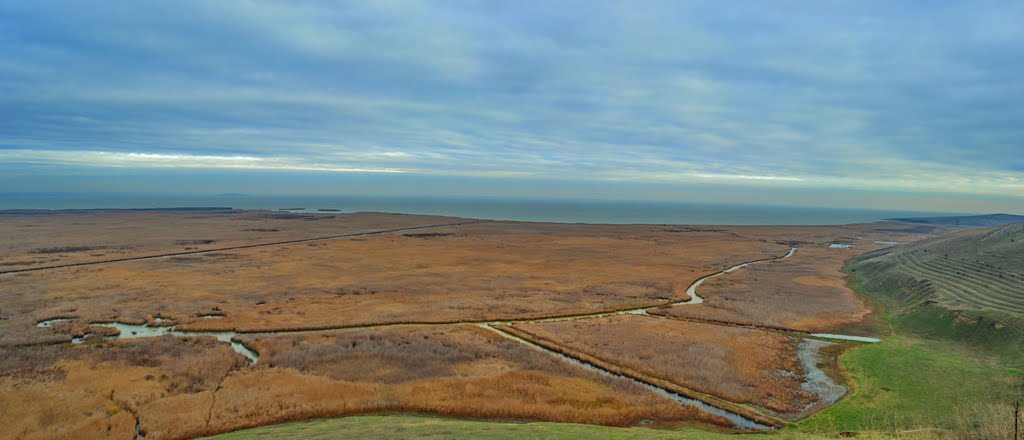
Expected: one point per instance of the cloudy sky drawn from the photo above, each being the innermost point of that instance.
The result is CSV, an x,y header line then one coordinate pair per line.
x,y
912,104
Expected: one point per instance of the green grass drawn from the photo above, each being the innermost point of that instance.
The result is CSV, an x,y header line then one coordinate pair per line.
x,y
423,427
935,369
905,309
908,382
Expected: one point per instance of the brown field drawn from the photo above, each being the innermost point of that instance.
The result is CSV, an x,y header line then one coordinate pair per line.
x,y
47,238
187,387
806,292
738,364
97,390
441,277
483,271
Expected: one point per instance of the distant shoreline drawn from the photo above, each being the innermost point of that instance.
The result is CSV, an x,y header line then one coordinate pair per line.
x,y
540,210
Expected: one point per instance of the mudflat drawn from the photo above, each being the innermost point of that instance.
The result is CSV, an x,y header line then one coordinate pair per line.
x,y
369,312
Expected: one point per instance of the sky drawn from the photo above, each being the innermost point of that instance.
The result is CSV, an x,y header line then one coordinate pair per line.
x,y
908,104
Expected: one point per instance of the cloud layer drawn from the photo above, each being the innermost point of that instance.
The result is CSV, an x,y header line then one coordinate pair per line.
x,y
881,95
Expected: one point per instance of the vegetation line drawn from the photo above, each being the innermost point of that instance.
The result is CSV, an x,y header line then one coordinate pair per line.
x,y
232,248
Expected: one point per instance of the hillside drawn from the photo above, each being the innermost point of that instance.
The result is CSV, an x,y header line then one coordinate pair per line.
x,y
968,285
984,220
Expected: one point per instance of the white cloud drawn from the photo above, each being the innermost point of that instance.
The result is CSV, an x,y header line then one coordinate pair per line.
x,y
184,161
873,95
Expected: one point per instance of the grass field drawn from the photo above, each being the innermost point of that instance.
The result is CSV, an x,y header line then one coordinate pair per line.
x,y
907,383
417,427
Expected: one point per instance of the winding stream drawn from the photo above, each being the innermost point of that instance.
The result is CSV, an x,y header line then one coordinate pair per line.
x,y
692,290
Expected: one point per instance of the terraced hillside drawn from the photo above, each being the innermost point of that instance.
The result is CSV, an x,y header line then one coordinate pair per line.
x,y
974,279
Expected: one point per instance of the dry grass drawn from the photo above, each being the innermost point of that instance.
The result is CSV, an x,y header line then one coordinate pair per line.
x,y
486,271
186,387
737,364
460,371
95,390
61,237
806,292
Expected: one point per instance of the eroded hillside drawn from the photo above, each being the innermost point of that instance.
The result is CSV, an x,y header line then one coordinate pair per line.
x,y
972,281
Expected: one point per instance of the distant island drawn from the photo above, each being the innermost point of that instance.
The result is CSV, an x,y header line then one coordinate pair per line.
x,y
967,220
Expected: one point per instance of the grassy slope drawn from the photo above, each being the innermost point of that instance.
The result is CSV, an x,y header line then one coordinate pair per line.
x,y
938,368
918,304
909,382
967,286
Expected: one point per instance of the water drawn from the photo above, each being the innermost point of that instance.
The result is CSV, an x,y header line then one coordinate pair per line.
x,y
846,337
817,381
567,211
692,290
133,331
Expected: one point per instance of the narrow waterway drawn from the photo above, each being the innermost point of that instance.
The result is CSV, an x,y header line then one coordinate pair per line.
x,y
816,381
846,337
692,289
737,420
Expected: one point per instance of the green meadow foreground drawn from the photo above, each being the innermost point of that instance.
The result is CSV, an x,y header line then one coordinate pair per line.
x,y
183,324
